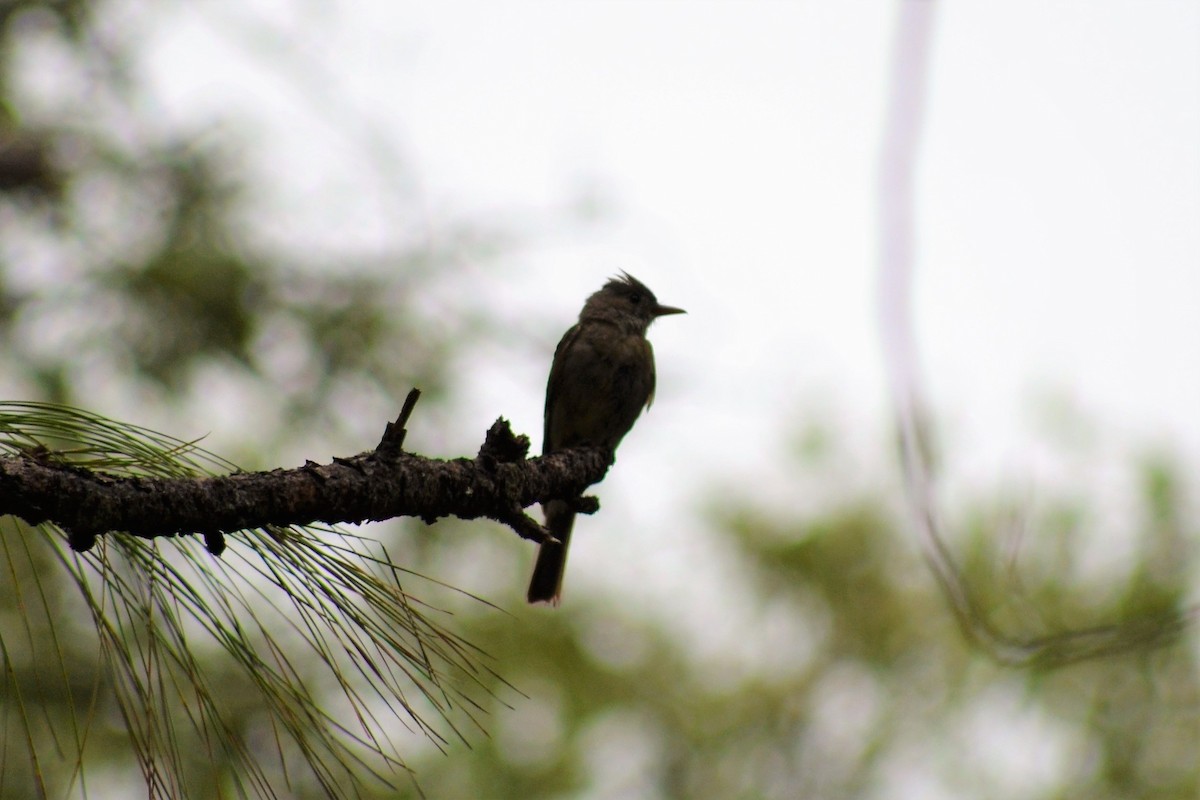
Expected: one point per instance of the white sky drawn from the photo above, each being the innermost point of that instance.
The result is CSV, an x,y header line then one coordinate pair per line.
x,y
734,146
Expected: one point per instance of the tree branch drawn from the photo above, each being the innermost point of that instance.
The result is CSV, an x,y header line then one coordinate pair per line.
x,y
39,486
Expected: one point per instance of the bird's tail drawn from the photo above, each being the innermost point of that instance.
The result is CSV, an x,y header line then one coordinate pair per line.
x,y
546,584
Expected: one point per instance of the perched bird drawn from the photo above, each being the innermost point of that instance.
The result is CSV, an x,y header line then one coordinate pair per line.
x,y
601,379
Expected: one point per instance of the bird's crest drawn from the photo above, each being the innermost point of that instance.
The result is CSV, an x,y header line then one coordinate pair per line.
x,y
627,283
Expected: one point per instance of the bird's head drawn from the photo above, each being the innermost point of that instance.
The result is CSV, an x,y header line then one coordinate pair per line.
x,y
626,301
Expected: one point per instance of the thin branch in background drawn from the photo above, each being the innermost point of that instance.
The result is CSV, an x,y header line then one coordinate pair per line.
x,y
897,258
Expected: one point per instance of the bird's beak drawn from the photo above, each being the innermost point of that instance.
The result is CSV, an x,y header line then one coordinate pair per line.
x,y
662,311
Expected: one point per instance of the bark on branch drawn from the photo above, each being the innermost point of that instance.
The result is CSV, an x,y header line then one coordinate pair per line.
x,y
379,484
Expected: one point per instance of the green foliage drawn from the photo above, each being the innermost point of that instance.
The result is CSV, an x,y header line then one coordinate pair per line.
x,y
299,663
847,674
126,253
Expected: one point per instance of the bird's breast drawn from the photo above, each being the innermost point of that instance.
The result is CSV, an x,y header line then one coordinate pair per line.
x,y
601,385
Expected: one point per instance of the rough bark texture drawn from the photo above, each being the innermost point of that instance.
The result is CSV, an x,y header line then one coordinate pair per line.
x,y
380,484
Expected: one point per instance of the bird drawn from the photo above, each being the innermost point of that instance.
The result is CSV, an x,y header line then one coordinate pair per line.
x,y
601,378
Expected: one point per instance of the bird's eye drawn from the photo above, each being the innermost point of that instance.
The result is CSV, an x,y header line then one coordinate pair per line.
x,y
635,298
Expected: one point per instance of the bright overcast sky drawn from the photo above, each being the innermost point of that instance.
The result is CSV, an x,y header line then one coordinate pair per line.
x,y
734,147
735,144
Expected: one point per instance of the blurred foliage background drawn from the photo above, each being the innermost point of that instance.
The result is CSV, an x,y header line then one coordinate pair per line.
x,y
133,282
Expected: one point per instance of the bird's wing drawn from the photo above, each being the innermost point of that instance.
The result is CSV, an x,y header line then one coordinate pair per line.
x,y
554,382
